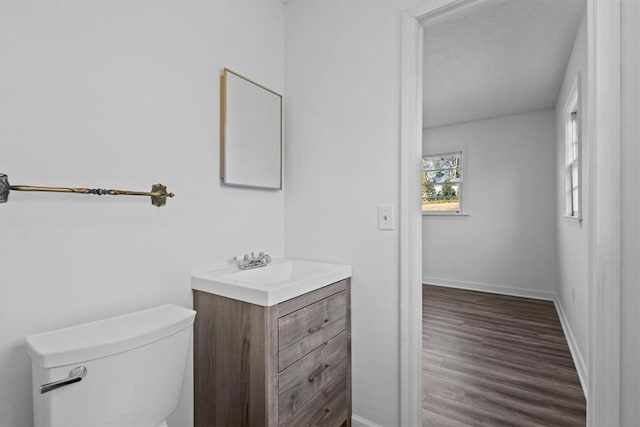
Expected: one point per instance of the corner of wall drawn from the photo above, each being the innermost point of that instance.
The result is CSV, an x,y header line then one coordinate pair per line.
x,y
576,354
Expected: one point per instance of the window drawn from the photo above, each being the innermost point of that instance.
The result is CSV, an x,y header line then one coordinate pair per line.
x,y
442,183
573,186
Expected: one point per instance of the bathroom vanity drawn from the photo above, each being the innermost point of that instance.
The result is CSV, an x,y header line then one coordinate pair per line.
x,y
272,346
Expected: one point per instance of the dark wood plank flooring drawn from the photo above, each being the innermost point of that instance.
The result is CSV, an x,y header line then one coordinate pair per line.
x,y
496,360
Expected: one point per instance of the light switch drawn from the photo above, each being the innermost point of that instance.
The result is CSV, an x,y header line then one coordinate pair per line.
x,y
385,217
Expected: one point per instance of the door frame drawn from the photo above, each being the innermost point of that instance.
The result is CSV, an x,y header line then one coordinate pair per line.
x,y
603,114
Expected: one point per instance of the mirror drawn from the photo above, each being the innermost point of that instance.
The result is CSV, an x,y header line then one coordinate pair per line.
x,y
250,133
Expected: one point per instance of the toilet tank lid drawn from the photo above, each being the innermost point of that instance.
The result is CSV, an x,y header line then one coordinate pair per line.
x,y
106,337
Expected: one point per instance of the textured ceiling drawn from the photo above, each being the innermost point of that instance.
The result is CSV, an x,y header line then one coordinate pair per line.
x,y
504,58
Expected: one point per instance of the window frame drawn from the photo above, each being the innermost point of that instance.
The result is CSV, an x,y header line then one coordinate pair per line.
x,y
462,183
573,148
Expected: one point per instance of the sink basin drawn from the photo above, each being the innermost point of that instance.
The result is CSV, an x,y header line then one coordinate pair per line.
x,y
283,279
272,273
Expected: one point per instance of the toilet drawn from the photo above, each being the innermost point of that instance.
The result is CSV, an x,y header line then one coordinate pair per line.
x,y
122,371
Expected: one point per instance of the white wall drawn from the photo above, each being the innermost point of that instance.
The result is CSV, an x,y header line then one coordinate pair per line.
x,y
630,254
573,236
342,127
507,241
120,95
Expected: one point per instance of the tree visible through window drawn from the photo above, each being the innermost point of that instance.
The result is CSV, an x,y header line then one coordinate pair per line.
x,y
442,182
572,180
573,152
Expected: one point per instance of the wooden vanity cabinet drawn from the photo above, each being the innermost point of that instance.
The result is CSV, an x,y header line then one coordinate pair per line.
x,y
284,365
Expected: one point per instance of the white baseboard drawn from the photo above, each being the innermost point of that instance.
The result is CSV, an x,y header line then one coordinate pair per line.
x,y
357,421
578,360
494,289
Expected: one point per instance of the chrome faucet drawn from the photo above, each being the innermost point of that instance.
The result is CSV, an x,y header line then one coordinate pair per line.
x,y
248,262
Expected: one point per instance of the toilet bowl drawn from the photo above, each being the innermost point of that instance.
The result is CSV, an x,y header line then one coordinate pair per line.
x,y
122,371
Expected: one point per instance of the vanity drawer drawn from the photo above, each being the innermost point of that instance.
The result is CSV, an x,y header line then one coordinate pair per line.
x,y
302,381
302,331
329,408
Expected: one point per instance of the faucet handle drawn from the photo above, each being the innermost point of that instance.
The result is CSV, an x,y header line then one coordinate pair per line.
x,y
246,262
243,260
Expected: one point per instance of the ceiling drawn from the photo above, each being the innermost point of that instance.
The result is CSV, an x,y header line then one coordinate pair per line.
x,y
505,57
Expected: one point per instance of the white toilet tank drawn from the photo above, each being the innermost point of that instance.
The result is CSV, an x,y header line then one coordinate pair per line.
x,y
134,367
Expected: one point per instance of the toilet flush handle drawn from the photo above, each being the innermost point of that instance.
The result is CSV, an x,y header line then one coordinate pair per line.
x,y
75,375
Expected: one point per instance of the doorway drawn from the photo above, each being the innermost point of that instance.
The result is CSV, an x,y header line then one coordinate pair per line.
x,y
499,77
603,371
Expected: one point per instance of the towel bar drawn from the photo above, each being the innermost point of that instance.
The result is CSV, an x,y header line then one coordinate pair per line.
x,y
158,192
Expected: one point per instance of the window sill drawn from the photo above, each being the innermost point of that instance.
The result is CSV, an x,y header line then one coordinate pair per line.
x,y
444,214
576,220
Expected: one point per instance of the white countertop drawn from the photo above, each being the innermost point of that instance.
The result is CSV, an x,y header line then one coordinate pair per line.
x,y
283,279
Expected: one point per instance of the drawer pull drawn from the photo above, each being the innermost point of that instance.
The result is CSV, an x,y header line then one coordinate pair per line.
x,y
315,329
315,374
327,412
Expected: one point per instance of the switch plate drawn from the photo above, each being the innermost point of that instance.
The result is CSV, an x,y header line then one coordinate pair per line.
x,y
385,217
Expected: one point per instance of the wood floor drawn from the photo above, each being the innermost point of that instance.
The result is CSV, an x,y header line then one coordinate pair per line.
x,y
495,360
